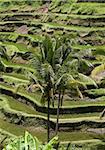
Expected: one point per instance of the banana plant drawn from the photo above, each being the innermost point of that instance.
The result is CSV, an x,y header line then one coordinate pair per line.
x,y
28,142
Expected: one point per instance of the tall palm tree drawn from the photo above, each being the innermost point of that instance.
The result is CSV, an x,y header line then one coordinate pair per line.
x,y
44,74
51,56
68,76
54,71
67,81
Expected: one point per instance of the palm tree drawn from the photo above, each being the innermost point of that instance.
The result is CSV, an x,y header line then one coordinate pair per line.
x,y
67,81
44,74
68,76
51,56
55,70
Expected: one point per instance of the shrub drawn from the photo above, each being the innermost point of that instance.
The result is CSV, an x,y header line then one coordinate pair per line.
x,y
28,142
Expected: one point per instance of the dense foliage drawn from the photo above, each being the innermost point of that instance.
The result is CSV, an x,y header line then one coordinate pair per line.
x,y
28,142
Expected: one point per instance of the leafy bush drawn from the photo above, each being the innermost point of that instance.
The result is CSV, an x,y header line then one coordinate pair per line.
x,y
28,142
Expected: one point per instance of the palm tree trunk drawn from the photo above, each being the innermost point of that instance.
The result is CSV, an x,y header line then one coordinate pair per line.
x,y
57,123
53,96
48,117
62,97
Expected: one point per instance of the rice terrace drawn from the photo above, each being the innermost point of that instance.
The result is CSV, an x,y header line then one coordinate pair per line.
x,y
52,74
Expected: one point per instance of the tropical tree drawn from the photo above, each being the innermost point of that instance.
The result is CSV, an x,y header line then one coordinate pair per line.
x,y
67,81
51,56
44,74
69,77
56,69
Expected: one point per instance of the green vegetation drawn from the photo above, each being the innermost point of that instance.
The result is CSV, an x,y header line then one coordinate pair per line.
x,y
52,71
96,92
34,144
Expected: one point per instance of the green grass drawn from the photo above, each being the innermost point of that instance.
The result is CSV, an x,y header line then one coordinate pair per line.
x,y
17,47
13,106
16,78
16,105
72,28
11,128
84,47
82,103
63,136
74,136
16,65
85,8
58,26
71,16
19,106
35,37
96,92
35,97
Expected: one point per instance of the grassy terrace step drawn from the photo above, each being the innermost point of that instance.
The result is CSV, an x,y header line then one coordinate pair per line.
x,y
10,128
16,66
72,16
83,103
82,8
83,144
65,137
80,119
15,107
32,96
25,111
18,47
73,28
29,19
84,20
35,97
17,130
57,26
83,47
35,37
95,8
11,105
15,77
96,92
12,36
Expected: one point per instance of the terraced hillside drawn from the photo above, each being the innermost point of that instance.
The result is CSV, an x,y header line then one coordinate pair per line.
x,y
23,27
